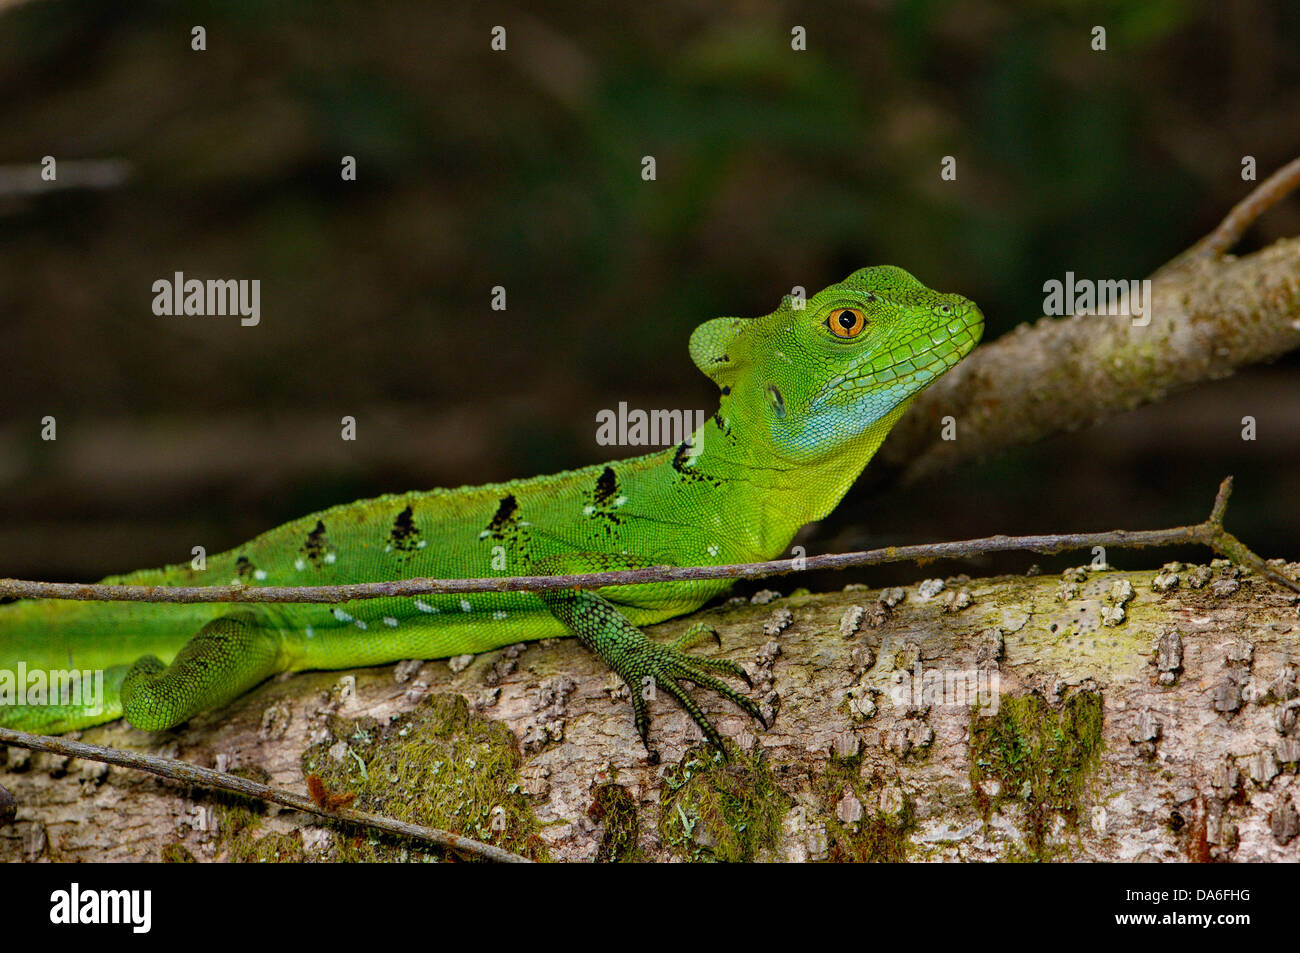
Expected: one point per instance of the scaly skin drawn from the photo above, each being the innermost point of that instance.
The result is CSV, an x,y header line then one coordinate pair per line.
x,y
807,396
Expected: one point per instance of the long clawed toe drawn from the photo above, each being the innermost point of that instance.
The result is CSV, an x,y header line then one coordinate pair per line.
x,y
680,666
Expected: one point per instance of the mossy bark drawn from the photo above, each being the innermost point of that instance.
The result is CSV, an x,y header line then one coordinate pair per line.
x,y
1100,715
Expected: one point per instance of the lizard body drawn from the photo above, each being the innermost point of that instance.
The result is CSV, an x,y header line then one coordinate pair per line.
x,y
807,396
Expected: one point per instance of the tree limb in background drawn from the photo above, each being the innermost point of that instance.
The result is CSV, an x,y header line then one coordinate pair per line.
x,y
73,174
1263,197
1210,313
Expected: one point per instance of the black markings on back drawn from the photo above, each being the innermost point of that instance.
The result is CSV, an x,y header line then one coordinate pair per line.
x,y
504,516
244,567
316,545
603,506
690,474
679,458
404,537
606,486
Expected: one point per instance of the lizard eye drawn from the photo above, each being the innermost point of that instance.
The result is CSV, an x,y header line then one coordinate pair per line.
x,y
846,322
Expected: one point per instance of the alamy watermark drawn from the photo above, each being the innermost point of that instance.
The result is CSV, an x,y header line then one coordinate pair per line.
x,y
651,428
39,687
215,297
1105,296
133,908
977,688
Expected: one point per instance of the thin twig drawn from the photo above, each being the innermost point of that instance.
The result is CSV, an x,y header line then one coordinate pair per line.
x,y
1209,533
72,174
205,777
1244,214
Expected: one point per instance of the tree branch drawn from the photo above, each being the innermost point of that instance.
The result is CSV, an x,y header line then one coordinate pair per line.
x,y
1210,314
1244,214
73,174
188,773
1192,690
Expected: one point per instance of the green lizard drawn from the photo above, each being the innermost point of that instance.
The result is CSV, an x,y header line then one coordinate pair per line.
x,y
807,395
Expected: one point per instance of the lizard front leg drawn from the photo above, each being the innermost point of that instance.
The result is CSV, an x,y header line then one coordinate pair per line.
x,y
645,665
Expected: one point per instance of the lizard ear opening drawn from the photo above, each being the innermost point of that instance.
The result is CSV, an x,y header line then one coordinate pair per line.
x,y
717,348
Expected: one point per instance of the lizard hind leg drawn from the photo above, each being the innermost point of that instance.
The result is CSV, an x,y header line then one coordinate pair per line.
x,y
226,658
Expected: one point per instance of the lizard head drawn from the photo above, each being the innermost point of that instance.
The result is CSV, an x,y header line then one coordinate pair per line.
x,y
835,374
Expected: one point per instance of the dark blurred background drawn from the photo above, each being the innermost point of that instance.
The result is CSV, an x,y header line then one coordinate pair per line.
x,y
522,169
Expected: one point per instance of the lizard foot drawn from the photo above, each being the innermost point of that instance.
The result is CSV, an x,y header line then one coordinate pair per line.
x,y
649,666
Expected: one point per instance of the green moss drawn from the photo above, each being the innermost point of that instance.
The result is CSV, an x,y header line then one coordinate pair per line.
x,y
239,822
713,809
276,848
176,854
238,828
439,766
878,836
1038,756
614,807
235,815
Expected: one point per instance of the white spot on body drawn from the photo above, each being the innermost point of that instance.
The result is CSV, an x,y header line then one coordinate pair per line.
x,y
713,549
299,564
342,616
619,501
465,606
361,625
500,614
390,621
259,574
331,558
588,510
424,606
310,632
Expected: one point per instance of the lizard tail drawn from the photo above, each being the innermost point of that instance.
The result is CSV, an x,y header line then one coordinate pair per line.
x,y
62,663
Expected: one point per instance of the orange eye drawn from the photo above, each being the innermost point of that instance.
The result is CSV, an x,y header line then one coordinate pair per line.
x,y
846,322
